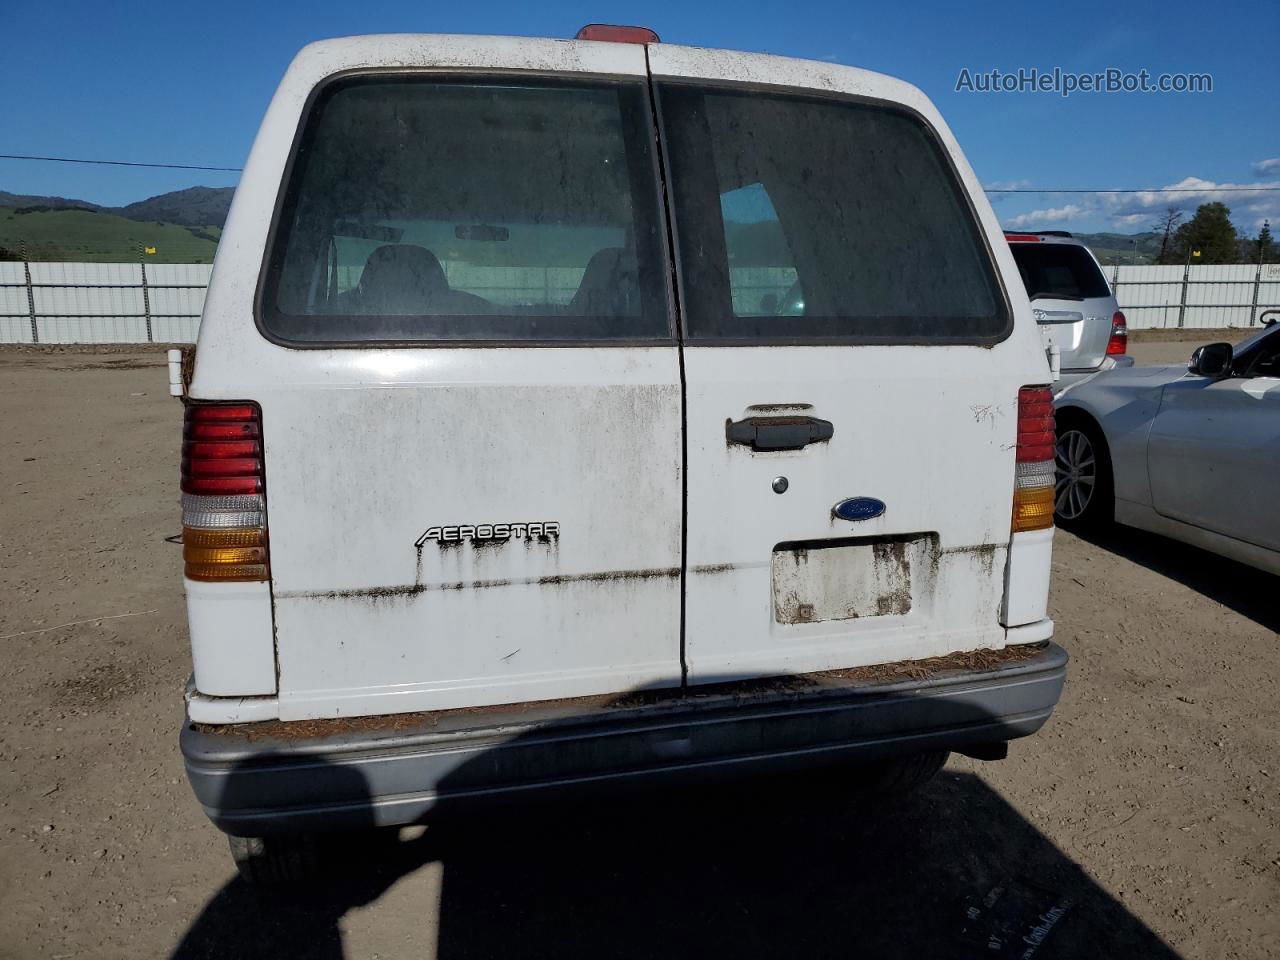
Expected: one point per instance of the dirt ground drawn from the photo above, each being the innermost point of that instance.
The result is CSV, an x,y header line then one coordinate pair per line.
x,y
1143,820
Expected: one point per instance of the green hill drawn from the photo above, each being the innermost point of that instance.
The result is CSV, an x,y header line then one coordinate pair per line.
x,y
98,236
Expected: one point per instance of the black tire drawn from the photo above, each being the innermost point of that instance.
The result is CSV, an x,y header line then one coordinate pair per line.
x,y
891,779
1081,455
270,861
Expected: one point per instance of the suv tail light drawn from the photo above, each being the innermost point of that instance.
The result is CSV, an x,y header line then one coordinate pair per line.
x,y
1119,342
224,516
1033,491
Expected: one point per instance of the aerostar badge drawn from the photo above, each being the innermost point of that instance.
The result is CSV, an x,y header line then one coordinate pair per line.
x,y
546,530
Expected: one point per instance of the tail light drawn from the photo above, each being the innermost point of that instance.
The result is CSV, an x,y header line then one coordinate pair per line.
x,y
224,516
1034,484
1119,342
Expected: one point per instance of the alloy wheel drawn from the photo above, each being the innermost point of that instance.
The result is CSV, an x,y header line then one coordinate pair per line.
x,y
1077,478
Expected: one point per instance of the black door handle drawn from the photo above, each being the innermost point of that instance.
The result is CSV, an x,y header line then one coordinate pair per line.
x,y
778,433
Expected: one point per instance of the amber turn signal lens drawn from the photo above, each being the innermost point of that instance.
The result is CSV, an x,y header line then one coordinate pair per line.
x,y
229,537
232,554
1032,509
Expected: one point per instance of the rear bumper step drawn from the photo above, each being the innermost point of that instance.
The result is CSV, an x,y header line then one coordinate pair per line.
x,y
254,782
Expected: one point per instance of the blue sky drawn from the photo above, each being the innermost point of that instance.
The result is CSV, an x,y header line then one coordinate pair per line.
x,y
188,83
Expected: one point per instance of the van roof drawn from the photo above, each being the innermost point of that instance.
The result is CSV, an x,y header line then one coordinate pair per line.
x,y
409,50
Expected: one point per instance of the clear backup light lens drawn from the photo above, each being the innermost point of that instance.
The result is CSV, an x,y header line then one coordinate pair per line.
x,y
1038,474
245,510
224,516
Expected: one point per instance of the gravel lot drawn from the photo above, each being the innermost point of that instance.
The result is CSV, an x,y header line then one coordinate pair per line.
x,y
1142,821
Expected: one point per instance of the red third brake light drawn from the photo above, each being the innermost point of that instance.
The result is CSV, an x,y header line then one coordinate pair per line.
x,y
1119,342
612,33
1023,238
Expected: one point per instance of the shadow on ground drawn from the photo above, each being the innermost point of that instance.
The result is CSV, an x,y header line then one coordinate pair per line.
x,y
737,870
1249,592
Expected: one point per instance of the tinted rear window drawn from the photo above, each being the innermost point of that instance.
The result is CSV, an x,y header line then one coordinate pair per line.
x,y
1062,271
429,209
815,219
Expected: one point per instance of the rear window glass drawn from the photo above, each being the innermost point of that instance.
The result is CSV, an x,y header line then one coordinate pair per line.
x,y
818,219
1062,271
430,209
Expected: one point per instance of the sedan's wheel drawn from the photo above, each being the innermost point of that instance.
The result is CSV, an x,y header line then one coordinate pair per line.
x,y
1077,475
1083,486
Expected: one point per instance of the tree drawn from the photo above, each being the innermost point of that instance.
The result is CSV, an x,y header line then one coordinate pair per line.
x,y
1266,245
1211,232
1165,226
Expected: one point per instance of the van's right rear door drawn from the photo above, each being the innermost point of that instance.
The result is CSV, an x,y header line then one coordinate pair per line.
x,y
846,339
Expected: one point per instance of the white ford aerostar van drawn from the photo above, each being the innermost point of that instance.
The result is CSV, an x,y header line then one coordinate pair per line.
x,y
553,399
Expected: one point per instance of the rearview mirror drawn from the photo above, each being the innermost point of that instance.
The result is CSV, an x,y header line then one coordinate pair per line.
x,y
1212,360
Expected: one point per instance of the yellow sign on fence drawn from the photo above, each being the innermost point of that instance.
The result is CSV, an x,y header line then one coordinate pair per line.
x,y
148,249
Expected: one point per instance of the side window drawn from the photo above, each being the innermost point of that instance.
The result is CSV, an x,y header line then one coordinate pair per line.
x,y
805,218
1266,361
470,209
762,271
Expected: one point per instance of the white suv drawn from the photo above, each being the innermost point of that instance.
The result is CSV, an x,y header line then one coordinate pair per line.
x,y
554,398
1073,303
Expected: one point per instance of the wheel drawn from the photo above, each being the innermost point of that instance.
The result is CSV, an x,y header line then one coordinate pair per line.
x,y
889,779
1083,493
264,861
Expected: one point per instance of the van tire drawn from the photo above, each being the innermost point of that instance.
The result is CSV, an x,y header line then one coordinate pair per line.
x,y
270,861
887,779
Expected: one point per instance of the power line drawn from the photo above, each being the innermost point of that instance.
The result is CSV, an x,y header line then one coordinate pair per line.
x,y
192,166
120,163
1152,190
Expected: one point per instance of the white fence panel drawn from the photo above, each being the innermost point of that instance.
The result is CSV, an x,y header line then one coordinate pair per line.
x,y
106,303
94,330
1213,296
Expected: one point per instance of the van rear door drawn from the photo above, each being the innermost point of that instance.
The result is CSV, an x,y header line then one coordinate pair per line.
x,y
472,415
851,388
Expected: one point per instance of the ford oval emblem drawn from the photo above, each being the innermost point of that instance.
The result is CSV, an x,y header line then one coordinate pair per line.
x,y
859,508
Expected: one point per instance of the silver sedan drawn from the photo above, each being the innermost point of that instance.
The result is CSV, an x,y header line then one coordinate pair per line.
x,y
1188,451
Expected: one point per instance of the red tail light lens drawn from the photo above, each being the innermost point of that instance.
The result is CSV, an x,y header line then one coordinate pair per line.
x,y
1035,424
222,449
1119,342
1034,459
616,34
224,534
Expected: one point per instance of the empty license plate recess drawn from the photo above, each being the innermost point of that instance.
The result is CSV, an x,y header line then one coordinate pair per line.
x,y
817,580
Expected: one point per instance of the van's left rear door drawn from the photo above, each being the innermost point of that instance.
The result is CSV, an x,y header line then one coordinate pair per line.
x,y
471,405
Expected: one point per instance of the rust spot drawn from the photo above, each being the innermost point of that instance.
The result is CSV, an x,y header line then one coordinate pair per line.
x,y
774,407
764,688
969,661
413,589
711,568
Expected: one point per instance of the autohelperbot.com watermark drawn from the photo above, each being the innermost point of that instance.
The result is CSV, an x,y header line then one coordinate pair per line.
x,y
1066,82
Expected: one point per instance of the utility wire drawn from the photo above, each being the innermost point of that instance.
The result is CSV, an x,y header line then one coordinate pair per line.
x,y
120,163
192,166
1152,190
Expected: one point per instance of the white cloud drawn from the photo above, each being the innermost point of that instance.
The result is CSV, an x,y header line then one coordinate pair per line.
x,y
1051,215
1137,210
1267,168
1007,185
